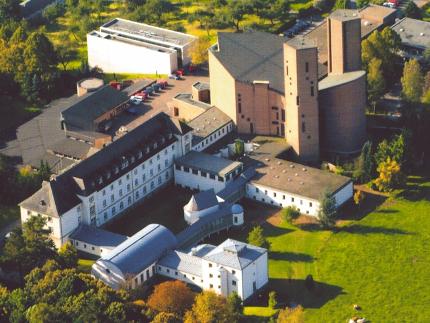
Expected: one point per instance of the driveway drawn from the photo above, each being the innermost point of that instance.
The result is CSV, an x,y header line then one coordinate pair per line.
x,y
158,102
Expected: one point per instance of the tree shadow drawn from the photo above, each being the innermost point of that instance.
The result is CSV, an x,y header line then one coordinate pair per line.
x,y
290,256
415,192
350,211
295,290
364,229
274,231
310,227
387,211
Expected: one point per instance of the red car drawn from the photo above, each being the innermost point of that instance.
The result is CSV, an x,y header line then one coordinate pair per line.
x,y
394,2
162,83
180,72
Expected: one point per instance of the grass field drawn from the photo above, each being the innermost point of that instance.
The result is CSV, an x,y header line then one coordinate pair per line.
x,y
379,262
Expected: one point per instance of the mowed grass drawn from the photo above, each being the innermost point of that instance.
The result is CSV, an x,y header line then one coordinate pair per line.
x,y
380,262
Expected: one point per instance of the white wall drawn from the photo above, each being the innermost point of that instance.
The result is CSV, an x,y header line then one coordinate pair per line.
x,y
281,199
256,272
197,182
114,56
184,276
344,194
214,137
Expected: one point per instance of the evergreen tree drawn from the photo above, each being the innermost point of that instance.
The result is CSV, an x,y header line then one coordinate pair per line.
x,y
365,163
327,213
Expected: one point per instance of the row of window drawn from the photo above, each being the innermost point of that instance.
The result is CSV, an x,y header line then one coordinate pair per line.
x,y
213,136
202,173
257,190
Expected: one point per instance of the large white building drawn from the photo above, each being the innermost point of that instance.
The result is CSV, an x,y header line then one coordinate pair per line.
x,y
123,46
105,184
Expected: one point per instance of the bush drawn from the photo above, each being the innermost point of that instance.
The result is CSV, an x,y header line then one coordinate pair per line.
x,y
289,214
256,237
272,300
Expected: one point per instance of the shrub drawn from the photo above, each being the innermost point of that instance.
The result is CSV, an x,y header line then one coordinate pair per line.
x,y
289,214
272,300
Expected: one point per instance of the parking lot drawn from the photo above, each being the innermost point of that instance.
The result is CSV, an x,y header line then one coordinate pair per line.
x,y
158,101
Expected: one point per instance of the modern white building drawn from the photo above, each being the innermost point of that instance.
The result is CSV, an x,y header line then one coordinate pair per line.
x,y
201,171
123,46
107,183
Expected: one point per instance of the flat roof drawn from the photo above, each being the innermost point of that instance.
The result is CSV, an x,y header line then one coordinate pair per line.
x,y
344,14
208,163
201,86
300,42
146,32
207,123
413,32
188,98
333,80
297,179
97,237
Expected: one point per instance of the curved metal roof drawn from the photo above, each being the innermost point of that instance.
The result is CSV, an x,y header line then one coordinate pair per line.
x,y
236,209
142,249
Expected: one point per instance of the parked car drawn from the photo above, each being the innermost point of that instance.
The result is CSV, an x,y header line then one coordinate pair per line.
x,y
174,77
163,83
156,87
389,5
149,90
135,100
180,72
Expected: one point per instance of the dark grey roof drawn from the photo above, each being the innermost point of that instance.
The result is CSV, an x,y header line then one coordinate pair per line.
x,y
238,185
52,199
252,56
208,163
70,148
137,86
202,249
234,254
142,249
413,33
87,108
201,86
202,201
184,262
97,237
188,98
207,123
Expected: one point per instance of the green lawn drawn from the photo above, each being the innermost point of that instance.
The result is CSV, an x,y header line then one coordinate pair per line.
x,y
380,262
84,265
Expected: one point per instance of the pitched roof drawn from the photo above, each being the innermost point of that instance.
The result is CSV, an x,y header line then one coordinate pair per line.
x,y
252,56
184,262
92,105
142,249
97,236
202,201
234,254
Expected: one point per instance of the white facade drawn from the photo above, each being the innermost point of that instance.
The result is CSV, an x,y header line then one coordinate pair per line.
x,y
284,199
114,55
214,137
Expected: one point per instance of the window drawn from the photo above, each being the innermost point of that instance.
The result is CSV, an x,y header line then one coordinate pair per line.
x,y
310,204
112,198
137,194
175,112
306,67
233,272
120,192
168,270
120,182
292,199
212,176
85,246
91,199
265,192
121,205
104,192
141,278
303,126
239,107
283,115
136,182
128,176
211,276
297,100
111,187
152,185
257,190
233,282
129,200
221,179
128,188
92,248
166,163
143,177
167,176
158,156
203,174
312,91
274,194
283,197
210,265
93,210
211,286
143,166
176,273
104,203
177,167
144,190
195,171
159,180
113,210
135,171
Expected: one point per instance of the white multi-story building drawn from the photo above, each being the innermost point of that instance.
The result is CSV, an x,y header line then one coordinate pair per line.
x,y
123,46
112,180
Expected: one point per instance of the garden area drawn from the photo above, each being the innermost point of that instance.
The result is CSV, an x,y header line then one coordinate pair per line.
x,y
378,262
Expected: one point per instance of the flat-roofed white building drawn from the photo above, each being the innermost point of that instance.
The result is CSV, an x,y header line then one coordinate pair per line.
x,y
124,46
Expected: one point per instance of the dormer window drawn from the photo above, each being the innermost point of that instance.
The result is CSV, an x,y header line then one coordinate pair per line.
x,y
108,175
147,150
132,159
169,136
100,180
139,154
155,145
116,170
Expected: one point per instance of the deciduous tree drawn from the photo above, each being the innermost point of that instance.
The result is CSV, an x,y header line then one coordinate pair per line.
x,y
256,237
375,82
209,307
412,81
327,212
390,175
291,315
199,51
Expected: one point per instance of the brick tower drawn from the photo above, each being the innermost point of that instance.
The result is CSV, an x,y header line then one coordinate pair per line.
x,y
344,42
301,98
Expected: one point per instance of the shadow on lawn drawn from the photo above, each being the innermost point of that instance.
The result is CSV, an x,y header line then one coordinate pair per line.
x,y
415,192
294,290
290,256
364,229
350,211
271,230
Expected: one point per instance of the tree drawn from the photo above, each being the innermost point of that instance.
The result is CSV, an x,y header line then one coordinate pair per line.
x,y
236,304
209,307
358,197
52,12
412,11
199,51
204,17
236,11
390,175
375,82
397,149
9,9
271,303
256,237
42,312
291,315
239,147
289,214
166,318
323,5
412,81
341,4
171,297
68,255
327,212
277,10
116,312
365,163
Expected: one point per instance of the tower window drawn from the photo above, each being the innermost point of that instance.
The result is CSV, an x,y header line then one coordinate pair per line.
x,y
307,67
287,69
303,127
239,106
312,90
297,100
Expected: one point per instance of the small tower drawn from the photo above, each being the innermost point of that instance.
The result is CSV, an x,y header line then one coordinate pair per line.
x,y
301,98
237,213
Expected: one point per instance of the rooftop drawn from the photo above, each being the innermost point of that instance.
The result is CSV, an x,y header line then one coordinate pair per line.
x,y
201,201
142,249
201,86
414,33
82,113
291,177
251,56
207,123
234,254
146,32
184,262
333,80
299,42
97,237
344,14
208,163
188,98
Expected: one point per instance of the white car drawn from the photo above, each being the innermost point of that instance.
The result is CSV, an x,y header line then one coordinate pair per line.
x,y
389,5
135,100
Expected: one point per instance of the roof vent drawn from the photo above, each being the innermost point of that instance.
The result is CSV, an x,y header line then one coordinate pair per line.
x,y
291,166
289,179
301,183
296,174
304,169
42,202
421,34
267,159
401,29
279,163
284,171
276,176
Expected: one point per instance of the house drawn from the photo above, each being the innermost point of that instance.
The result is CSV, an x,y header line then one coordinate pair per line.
x,y
415,36
124,46
110,181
